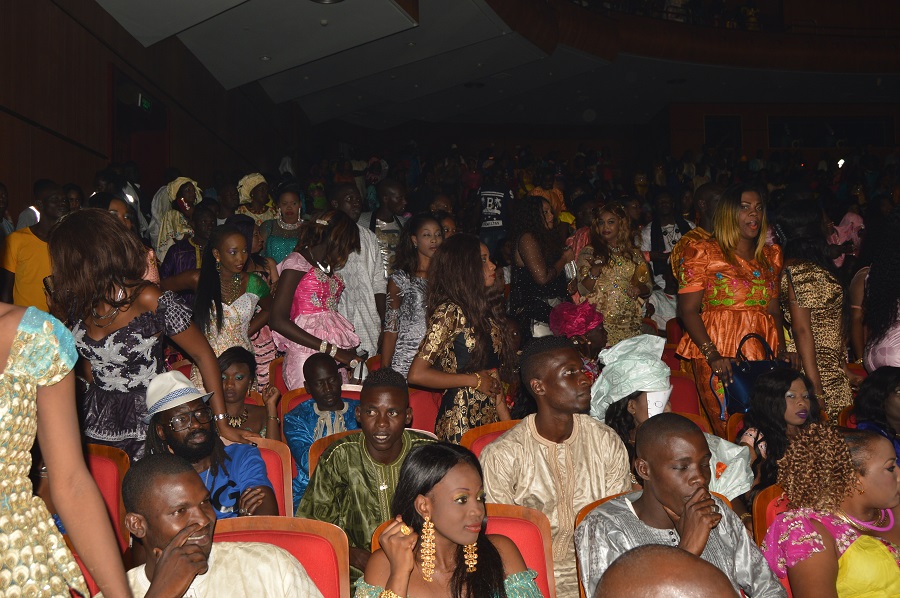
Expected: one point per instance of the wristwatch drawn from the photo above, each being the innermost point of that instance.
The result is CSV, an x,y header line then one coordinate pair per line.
x,y
354,363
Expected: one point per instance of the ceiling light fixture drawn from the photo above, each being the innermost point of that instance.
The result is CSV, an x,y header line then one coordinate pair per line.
x,y
327,1
265,58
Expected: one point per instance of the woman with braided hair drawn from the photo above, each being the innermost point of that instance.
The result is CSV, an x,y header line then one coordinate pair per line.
x,y
839,540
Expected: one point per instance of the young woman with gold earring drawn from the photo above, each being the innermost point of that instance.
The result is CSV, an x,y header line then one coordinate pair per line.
x,y
437,546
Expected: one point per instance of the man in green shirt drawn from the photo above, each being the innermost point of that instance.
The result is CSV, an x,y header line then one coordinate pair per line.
x,y
354,481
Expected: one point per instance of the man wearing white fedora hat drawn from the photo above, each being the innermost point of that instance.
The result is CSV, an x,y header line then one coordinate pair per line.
x,y
180,422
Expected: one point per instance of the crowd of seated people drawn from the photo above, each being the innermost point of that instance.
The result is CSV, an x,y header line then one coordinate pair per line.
x,y
584,320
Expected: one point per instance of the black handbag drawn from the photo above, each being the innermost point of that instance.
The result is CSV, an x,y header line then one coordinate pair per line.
x,y
744,373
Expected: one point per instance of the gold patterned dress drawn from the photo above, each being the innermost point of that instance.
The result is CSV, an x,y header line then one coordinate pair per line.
x,y
820,292
35,559
621,314
448,344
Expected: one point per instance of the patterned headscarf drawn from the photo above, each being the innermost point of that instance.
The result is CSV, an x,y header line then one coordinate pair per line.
x,y
631,365
248,184
175,185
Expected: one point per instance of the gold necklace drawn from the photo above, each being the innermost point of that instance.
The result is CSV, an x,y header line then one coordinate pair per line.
x,y
237,422
231,290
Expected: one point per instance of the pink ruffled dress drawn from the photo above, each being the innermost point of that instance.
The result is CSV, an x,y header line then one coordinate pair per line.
x,y
314,309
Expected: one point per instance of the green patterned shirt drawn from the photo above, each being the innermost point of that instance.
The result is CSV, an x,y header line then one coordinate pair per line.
x,y
351,490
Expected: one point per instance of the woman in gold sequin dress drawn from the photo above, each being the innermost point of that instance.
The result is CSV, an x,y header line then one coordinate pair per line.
x,y
466,341
37,395
813,302
612,274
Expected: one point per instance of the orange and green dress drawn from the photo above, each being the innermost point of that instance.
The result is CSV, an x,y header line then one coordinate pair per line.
x,y
736,298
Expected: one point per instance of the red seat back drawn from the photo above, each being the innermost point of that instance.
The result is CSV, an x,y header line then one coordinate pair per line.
x,y
672,360
684,398
482,441
277,457
325,560
526,535
674,332
276,375
424,408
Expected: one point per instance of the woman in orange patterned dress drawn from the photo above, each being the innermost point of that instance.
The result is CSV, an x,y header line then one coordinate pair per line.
x,y
729,288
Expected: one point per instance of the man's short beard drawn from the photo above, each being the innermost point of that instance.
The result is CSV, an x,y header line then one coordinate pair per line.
x,y
192,452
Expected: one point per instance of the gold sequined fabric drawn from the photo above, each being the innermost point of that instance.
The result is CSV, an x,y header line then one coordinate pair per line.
x,y
35,559
820,293
448,344
621,314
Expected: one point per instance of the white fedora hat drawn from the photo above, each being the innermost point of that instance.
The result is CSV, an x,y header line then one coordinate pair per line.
x,y
169,390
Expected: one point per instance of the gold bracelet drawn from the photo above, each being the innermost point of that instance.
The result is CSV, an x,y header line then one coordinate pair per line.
x,y
478,377
707,349
745,516
389,594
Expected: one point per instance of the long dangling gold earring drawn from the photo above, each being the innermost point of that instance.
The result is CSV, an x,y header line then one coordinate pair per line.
x,y
426,549
470,553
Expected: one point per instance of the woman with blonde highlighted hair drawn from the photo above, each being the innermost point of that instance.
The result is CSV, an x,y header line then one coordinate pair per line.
x,y
304,318
728,288
612,274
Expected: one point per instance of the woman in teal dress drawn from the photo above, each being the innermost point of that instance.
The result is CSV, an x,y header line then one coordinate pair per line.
x,y
280,235
37,395
436,545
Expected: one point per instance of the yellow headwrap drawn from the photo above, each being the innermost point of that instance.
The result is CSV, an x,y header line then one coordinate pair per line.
x,y
248,184
175,185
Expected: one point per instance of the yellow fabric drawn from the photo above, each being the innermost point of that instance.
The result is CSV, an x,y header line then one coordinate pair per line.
x,y
247,184
868,570
173,187
28,258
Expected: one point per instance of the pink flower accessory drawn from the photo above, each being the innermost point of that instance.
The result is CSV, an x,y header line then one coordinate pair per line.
x,y
568,319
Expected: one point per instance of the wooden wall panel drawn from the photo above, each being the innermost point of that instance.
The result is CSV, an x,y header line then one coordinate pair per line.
x,y
56,60
686,121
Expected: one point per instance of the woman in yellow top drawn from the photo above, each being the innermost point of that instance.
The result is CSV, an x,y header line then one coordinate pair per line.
x,y
728,287
840,539
612,274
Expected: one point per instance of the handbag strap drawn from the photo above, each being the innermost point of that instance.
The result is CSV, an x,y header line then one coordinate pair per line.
x,y
770,355
722,410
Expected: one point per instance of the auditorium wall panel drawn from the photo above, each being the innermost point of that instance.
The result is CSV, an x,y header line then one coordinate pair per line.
x,y
57,60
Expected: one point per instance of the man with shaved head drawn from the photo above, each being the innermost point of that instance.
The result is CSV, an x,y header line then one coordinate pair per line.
x,y
655,570
676,509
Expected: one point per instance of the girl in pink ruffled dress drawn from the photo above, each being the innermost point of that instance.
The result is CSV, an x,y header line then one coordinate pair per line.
x,y
304,317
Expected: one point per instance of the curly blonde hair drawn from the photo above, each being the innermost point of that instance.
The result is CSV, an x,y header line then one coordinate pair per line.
x,y
821,466
624,239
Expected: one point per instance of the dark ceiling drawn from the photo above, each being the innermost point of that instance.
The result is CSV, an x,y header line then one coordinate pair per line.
x,y
380,63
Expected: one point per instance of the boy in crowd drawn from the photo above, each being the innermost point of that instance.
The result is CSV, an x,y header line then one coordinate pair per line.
x,y
354,482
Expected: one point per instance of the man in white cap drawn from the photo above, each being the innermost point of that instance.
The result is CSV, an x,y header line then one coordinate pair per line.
x,y
634,386
560,459
180,422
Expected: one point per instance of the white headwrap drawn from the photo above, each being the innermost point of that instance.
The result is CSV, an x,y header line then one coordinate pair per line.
x,y
248,184
175,185
632,365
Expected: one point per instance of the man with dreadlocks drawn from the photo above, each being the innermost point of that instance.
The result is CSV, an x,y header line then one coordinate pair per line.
x,y
180,422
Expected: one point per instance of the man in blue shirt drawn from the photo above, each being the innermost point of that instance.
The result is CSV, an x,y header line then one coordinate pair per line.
x,y
180,422
327,413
